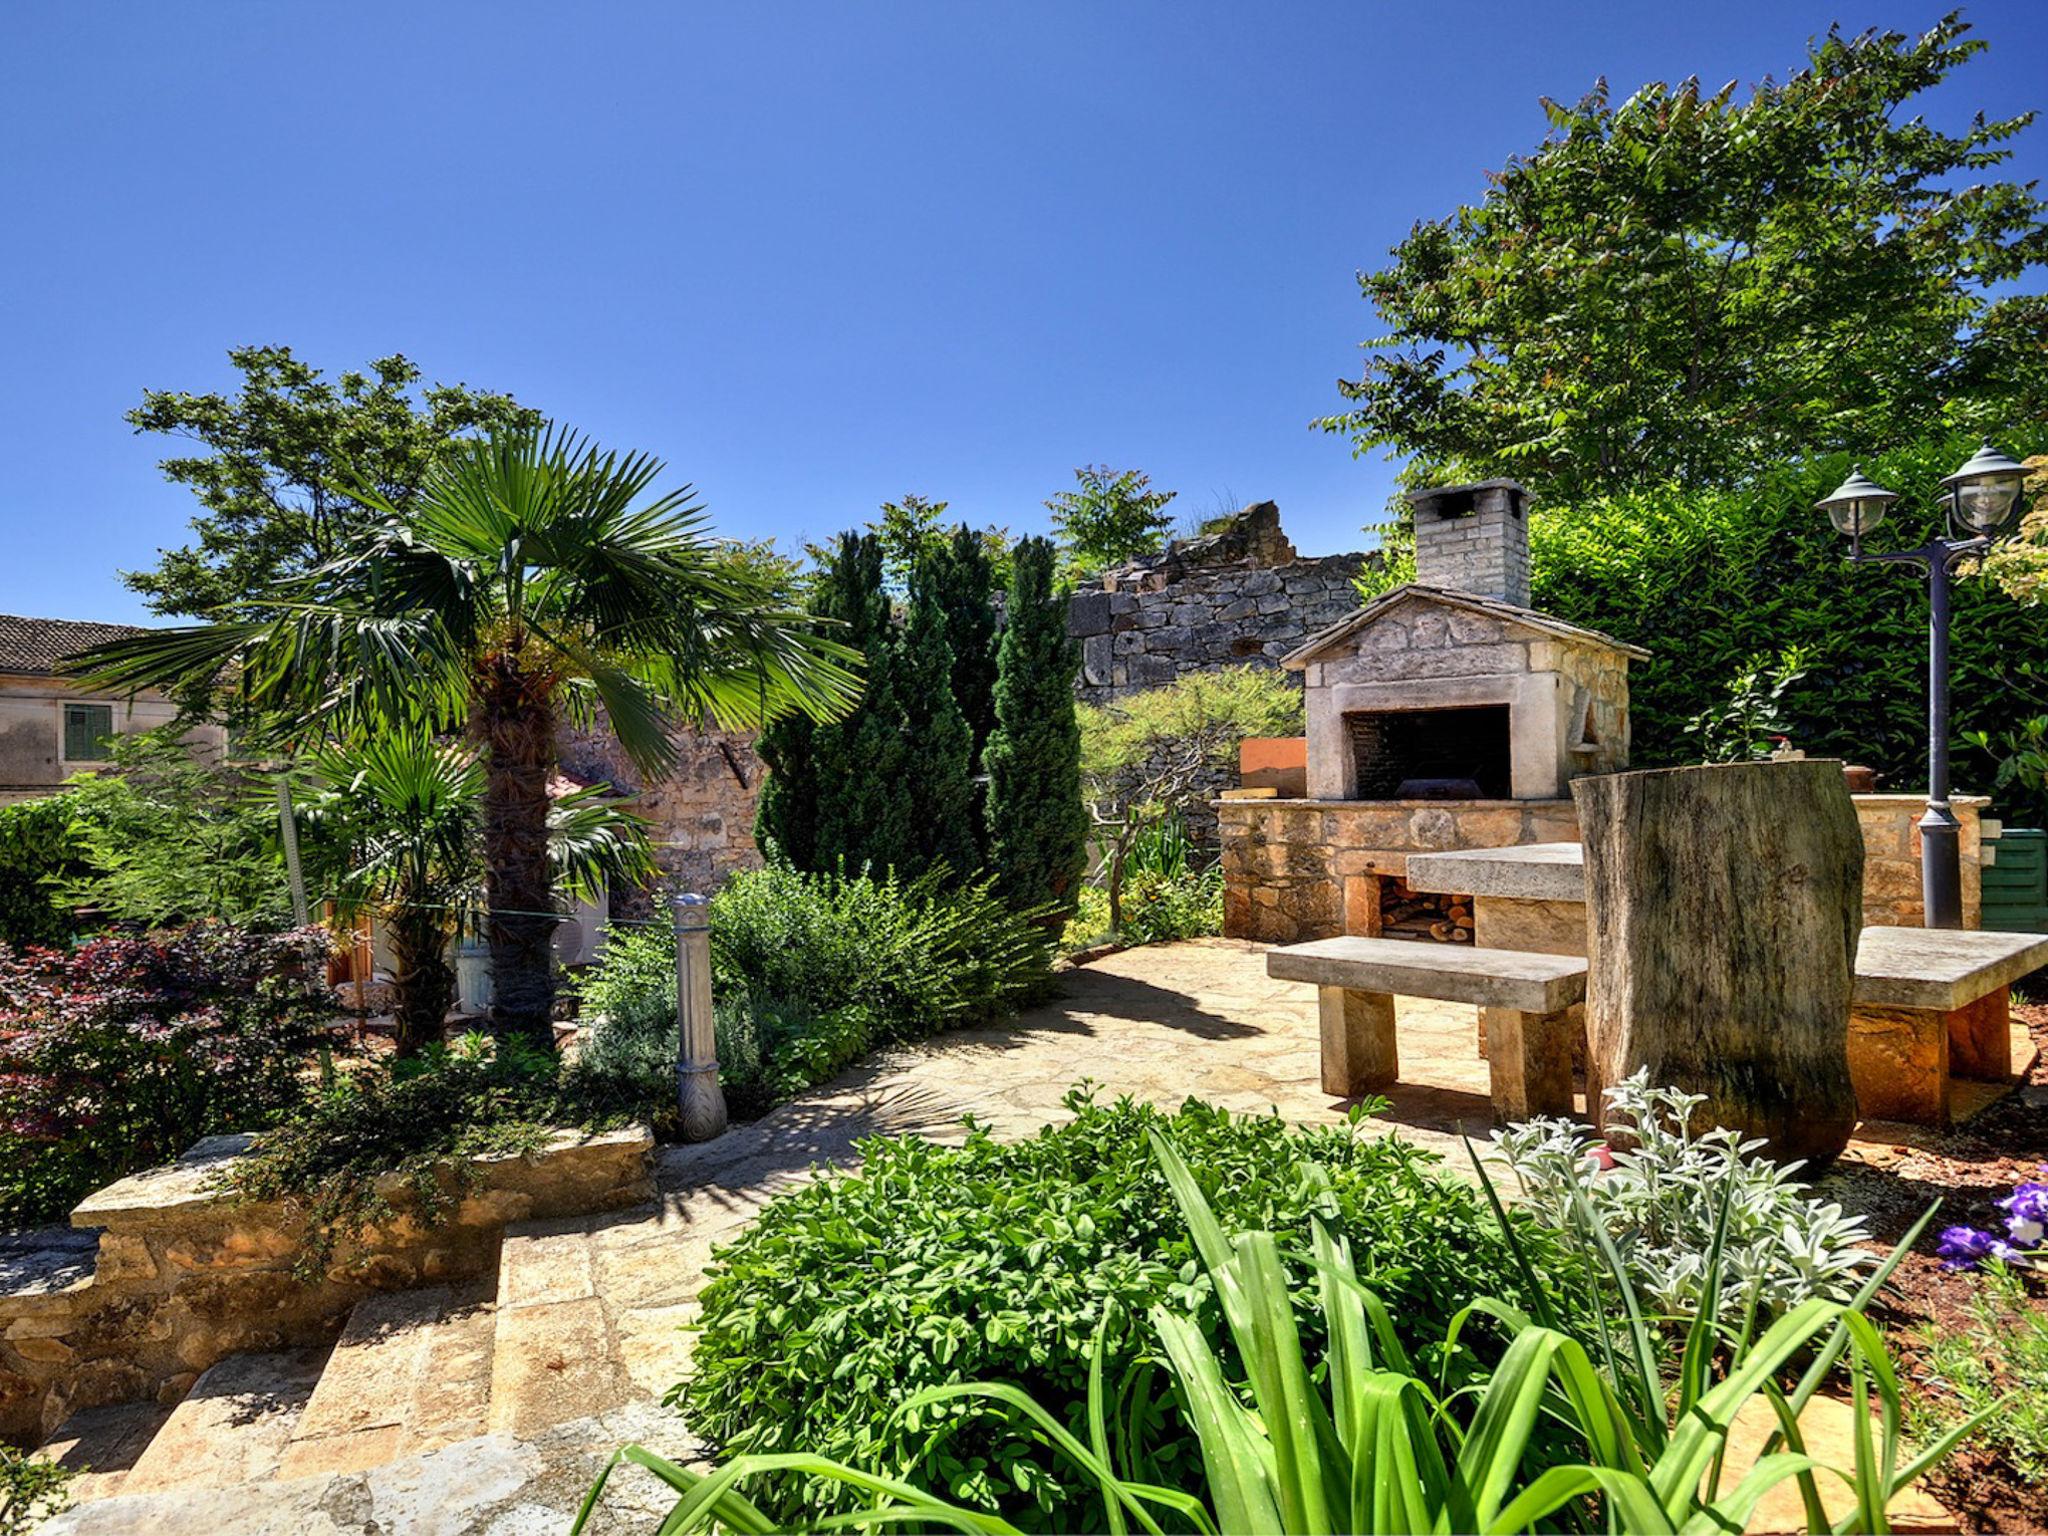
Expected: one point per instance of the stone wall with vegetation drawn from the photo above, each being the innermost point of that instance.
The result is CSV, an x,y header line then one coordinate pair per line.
x,y
702,810
1239,595
183,1274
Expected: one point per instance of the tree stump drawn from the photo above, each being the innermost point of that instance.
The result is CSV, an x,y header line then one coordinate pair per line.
x,y
1724,905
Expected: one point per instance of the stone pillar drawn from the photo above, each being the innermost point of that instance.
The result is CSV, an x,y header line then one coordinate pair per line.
x,y
701,1100
1359,1056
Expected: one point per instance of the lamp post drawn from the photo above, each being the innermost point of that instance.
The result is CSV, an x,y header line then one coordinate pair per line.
x,y
1983,501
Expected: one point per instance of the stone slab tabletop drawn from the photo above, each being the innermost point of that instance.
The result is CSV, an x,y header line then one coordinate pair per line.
x,y
1941,969
1455,973
1531,872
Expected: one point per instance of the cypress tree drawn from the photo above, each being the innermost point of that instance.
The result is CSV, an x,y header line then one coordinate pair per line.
x,y
946,804
964,584
1037,826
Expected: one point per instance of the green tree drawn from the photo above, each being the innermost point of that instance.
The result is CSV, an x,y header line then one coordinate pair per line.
x,y
526,580
946,805
1113,515
963,584
1037,826
1687,287
278,465
166,838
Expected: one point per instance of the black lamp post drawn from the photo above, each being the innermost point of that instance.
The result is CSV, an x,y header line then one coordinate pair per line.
x,y
1983,500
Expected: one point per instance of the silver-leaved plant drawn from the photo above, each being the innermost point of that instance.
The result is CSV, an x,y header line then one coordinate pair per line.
x,y
1659,1199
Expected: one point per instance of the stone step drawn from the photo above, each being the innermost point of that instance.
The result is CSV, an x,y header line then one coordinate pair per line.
x,y
410,1373
101,1445
552,1356
234,1425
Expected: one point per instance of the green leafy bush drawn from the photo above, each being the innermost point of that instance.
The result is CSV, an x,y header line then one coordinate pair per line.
x,y
32,1489
933,1265
1998,1361
810,971
37,852
1534,1437
1658,1202
1707,580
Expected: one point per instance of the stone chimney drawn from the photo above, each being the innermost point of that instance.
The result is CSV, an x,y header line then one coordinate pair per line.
x,y
1474,538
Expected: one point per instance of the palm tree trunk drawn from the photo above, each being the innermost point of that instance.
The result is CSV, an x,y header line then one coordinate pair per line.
x,y
515,716
422,979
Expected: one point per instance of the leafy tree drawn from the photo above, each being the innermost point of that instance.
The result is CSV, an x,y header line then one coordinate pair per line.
x,y
946,806
37,854
909,531
1037,826
164,839
1687,287
1144,757
279,464
526,579
393,823
1113,515
963,584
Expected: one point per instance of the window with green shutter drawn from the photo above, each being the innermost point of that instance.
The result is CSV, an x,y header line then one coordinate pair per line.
x,y
88,733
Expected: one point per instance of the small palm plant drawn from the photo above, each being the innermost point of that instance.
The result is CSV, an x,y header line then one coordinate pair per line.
x,y
531,578
1379,1447
393,824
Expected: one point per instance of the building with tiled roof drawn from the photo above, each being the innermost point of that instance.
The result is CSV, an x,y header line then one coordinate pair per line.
x,y
50,727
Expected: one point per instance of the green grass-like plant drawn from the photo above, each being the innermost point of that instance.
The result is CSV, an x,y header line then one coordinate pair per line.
x,y
1999,1359
1371,1440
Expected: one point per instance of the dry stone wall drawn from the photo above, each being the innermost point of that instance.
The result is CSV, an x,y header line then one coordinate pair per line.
x,y
1241,595
702,811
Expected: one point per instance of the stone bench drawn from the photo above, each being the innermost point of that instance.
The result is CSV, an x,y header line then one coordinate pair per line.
x,y
1932,1004
1528,997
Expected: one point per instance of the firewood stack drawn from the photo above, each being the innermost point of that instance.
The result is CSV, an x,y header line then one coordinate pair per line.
x,y
1411,914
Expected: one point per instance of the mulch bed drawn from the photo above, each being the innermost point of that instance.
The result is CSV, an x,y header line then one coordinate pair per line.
x,y
1967,1170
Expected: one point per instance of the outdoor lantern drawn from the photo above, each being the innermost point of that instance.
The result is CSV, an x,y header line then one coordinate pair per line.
x,y
1857,505
1985,492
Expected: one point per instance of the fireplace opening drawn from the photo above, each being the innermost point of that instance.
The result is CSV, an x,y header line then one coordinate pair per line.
x,y
1423,754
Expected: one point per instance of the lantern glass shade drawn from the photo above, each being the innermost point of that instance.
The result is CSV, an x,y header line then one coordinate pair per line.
x,y
1858,505
1986,491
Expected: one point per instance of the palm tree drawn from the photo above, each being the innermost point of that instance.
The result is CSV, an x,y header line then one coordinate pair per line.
x,y
391,823
524,583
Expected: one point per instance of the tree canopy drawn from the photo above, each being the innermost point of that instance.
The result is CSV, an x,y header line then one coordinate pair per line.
x,y
279,464
1111,516
1688,286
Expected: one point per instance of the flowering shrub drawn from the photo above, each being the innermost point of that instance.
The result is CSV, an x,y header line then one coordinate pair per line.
x,y
1659,1201
119,1055
2025,1243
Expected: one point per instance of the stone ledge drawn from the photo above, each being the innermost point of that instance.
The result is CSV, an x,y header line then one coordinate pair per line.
x,y
1492,978
1531,872
1941,969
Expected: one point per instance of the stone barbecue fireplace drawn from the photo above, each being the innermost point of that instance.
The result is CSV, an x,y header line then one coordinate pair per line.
x,y
1443,714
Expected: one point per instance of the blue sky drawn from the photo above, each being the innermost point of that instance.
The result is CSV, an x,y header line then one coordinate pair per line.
x,y
814,256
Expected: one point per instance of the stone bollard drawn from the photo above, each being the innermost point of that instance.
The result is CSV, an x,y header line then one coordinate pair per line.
x,y
700,1098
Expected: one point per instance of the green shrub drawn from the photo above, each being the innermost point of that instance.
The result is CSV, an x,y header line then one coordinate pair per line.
x,y
32,1489
809,972
1708,580
37,851
1371,1440
1997,1360
933,1264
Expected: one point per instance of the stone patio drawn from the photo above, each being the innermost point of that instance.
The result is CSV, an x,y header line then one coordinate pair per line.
x,y
589,1311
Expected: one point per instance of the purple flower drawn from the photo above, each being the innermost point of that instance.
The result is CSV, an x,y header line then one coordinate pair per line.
x,y
1966,1247
2026,1214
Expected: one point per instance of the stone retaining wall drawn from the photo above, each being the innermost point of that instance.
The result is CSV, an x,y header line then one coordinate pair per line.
x,y
183,1274
1296,870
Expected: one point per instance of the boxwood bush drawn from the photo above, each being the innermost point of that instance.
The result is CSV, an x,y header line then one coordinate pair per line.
x,y
996,1262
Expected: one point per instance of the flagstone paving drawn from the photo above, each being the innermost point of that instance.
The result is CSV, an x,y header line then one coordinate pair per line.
x,y
587,1327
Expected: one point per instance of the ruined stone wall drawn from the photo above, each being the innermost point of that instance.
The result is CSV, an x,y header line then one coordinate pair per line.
x,y
702,811
1239,596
